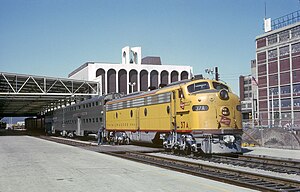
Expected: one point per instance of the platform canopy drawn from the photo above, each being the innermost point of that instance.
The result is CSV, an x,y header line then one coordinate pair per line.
x,y
30,95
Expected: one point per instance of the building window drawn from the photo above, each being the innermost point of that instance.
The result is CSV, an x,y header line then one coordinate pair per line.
x,y
263,92
284,36
296,88
285,78
297,102
284,65
262,104
262,81
284,51
261,43
275,103
261,57
295,32
262,70
285,102
286,115
296,62
296,48
273,67
272,39
244,106
272,54
273,80
285,90
274,91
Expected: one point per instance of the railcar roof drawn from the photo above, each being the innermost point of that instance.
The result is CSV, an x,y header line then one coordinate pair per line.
x,y
148,93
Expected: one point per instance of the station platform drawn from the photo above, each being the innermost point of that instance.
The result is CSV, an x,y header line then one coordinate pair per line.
x,y
32,164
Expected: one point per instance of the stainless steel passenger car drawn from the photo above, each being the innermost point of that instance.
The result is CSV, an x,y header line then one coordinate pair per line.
x,y
80,119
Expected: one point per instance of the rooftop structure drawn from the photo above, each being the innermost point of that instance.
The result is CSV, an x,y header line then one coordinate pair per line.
x,y
30,95
133,74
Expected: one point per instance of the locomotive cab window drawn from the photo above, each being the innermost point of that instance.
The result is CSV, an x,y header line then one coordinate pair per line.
x,y
220,86
198,87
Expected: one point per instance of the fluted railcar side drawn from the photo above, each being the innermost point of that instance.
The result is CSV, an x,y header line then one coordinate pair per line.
x,y
81,118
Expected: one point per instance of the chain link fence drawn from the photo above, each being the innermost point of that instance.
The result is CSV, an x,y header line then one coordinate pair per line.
x,y
275,134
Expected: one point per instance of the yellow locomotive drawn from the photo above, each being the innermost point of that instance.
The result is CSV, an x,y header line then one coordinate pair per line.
x,y
197,115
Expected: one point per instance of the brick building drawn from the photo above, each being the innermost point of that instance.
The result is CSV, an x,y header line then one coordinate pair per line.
x,y
278,72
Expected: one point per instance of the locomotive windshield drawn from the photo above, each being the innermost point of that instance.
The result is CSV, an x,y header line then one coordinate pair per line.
x,y
198,87
205,86
220,86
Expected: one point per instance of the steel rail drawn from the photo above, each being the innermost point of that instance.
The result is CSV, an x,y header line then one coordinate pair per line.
x,y
279,165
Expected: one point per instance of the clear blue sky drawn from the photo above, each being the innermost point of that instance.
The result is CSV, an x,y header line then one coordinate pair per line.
x,y
53,37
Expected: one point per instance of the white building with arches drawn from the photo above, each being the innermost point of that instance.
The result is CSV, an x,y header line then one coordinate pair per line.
x,y
133,74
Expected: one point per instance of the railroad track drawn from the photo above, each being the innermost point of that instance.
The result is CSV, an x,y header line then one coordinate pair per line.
x,y
235,177
279,165
289,166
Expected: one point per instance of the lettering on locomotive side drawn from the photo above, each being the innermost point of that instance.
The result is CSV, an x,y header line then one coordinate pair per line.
x,y
184,125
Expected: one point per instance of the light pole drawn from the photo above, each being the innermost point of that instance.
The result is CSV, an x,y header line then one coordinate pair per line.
x,y
272,102
131,84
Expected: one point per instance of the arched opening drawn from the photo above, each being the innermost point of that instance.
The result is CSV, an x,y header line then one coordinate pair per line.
x,y
101,72
111,81
154,79
133,84
164,78
184,75
144,80
174,76
122,81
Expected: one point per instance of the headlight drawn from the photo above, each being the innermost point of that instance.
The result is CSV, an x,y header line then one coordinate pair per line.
x,y
225,111
223,94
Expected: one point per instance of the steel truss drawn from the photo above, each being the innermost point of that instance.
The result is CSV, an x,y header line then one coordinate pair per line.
x,y
27,95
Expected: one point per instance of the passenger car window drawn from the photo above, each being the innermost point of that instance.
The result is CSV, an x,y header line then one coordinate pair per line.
x,y
198,87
